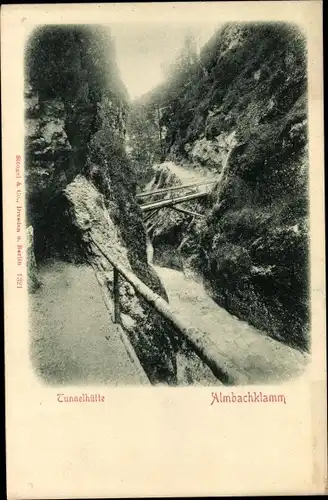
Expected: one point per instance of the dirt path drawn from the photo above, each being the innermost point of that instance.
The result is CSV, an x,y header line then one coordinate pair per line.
x,y
264,359
73,340
187,175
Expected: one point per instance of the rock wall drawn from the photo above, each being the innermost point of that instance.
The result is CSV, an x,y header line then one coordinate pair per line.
x,y
71,80
241,111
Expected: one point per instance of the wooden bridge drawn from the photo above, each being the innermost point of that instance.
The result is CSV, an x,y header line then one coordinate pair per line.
x,y
172,201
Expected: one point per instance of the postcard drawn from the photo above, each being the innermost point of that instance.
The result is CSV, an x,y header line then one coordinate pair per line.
x,y
164,263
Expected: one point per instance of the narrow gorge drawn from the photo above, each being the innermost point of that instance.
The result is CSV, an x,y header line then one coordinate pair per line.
x,y
228,129
237,114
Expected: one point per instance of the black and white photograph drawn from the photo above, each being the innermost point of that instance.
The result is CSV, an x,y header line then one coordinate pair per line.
x,y
166,172
164,250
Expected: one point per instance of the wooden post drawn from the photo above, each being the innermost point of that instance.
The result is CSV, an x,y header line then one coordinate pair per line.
x,y
116,293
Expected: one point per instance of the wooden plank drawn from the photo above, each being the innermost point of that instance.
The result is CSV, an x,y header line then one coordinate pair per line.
x,y
173,188
172,201
188,212
150,216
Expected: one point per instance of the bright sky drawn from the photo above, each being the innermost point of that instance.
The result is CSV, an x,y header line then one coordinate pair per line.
x,y
142,49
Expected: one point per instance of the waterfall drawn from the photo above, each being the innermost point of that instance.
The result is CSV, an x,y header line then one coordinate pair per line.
x,y
150,251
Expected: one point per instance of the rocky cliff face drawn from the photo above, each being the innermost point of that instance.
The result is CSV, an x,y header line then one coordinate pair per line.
x,y
71,82
78,177
241,111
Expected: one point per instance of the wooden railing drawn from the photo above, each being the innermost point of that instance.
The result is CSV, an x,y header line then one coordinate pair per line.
x,y
173,188
172,201
208,351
